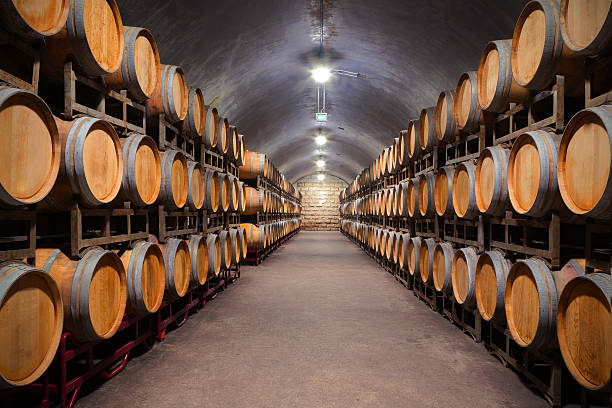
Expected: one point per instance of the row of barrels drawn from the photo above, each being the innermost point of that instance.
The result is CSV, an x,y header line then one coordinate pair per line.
x,y
260,237
126,58
89,297
550,38
543,309
259,165
86,159
264,201
541,171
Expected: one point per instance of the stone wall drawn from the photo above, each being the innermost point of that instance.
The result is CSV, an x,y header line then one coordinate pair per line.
x,y
320,202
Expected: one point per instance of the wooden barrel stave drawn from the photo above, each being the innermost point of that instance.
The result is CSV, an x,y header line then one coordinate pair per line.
x,y
463,276
426,260
446,126
171,97
466,109
174,181
443,192
427,129
426,195
464,190
145,277
442,265
34,19
491,182
491,273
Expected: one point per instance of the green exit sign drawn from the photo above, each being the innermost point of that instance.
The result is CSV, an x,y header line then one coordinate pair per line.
x,y
321,116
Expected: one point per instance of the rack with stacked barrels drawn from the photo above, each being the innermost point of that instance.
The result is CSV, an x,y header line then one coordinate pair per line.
x,y
272,208
494,205
119,182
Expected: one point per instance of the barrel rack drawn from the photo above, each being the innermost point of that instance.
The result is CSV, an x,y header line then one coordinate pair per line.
x,y
26,51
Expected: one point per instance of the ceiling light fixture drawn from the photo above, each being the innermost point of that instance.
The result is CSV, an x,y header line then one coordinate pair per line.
x,y
321,74
320,163
320,140
321,177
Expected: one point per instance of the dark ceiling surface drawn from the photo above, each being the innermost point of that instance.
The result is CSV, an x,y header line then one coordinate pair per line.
x,y
254,59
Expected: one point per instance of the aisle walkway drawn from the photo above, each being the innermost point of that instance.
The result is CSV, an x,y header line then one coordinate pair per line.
x,y
318,324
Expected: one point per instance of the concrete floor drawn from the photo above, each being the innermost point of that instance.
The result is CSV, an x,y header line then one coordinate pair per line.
x,y
318,324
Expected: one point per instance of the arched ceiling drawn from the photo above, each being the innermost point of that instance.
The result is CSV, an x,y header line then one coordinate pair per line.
x,y
255,58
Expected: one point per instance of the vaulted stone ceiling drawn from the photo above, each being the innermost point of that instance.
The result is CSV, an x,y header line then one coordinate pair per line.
x,y
254,59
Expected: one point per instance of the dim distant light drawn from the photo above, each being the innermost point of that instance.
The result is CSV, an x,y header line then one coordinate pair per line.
x,y
321,177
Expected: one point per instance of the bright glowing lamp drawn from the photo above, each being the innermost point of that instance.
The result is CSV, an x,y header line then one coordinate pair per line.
x,y
320,163
321,74
320,140
321,177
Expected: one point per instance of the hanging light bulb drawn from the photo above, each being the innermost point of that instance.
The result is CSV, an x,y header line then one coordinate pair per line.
x,y
320,140
320,163
321,74
321,177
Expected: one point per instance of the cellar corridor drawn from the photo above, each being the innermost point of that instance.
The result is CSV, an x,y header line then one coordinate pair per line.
x,y
319,324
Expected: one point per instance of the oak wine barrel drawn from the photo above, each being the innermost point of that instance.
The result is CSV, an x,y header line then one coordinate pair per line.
x,y
414,146
412,198
145,277
427,129
91,164
171,97
31,150
31,317
195,185
198,252
224,192
211,190
491,273
466,108
384,168
241,150
233,146
235,192
426,260
236,245
400,195
174,181
413,251
443,193
93,36
139,72
584,324
141,179
254,165
34,18
223,134
226,249
464,190
391,243
242,201
446,126
402,255
402,149
587,26
463,275
255,201
93,291
177,262
195,119
426,195
214,255
492,180
531,304
538,49
532,173
585,163
442,265
243,242
496,84
211,128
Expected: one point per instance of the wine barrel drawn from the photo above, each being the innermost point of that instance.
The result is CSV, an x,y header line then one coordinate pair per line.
x,y
254,165
233,146
195,185
427,129
174,181
211,128
242,201
255,201
584,324
466,108
532,173
587,26
584,163
384,169
390,194
443,192
426,195
531,304
426,260
141,179
402,149
195,119
139,72
414,146
442,265
491,183
226,249
93,291
211,190
214,255
34,19
402,190
92,36
382,244
393,157
145,276
235,192
491,274
236,246
243,242
34,141
223,134
241,150
412,198
538,49
391,243
402,254
224,192
31,317
91,164
463,275
464,190
446,126
496,84
171,97
413,250
177,262
198,252
573,268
